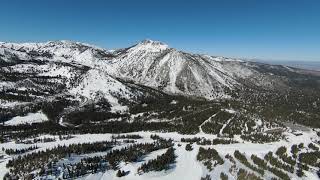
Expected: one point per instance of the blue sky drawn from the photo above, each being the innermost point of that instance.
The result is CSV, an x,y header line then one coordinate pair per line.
x,y
265,29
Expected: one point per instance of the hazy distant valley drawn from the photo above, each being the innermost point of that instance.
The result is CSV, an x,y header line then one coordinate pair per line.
x,y
311,65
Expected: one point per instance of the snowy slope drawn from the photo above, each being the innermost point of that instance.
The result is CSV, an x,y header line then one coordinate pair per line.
x,y
96,84
186,167
37,117
65,51
154,64
55,69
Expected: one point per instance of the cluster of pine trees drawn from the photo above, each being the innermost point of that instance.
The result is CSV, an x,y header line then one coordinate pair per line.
x,y
131,153
310,158
209,155
277,163
25,131
162,162
214,126
191,112
192,121
16,97
223,176
19,151
134,152
207,177
261,138
294,150
23,165
127,136
65,137
189,147
313,147
273,106
191,140
73,171
261,163
37,140
304,159
128,141
46,160
242,158
240,123
245,175
121,173
155,137
203,141
282,153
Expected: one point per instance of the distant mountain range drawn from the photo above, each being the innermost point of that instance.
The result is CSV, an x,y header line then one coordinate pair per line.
x,y
39,73
312,65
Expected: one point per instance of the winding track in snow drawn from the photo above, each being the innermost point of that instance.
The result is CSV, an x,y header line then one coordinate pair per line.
x,y
225,125
204,122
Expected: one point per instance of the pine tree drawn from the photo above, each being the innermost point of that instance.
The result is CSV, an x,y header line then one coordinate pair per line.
x,y
189,147
120,173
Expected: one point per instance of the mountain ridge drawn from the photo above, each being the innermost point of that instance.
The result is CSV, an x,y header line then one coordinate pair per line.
x,y
120,79
150,63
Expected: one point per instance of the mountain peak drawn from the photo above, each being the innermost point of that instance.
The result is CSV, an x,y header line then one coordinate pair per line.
x,y
149,41
69,43
150,45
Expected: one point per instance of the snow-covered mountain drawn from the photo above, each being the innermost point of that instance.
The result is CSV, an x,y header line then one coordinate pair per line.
x,y
154,64
35,73
55,96
65,51
150,63
32,72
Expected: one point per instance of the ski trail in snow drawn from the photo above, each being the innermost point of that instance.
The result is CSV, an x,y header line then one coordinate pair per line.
x,y
67,110
192,113
61,122
198,111
246,126
204,122
225,125
3,169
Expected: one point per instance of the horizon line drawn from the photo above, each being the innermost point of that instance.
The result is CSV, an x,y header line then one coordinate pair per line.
x,y
136,42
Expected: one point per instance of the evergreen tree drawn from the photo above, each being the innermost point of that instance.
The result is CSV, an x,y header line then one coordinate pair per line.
x,y
189,147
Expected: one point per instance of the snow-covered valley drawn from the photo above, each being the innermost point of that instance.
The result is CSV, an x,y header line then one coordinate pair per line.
x,y
186,165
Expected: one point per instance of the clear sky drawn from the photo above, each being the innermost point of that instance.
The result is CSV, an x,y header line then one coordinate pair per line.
x,y
265,29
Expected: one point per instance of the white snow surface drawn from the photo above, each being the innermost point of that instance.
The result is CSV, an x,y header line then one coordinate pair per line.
x,y
186,167
97,83
150,63
149,46
30,118
66,51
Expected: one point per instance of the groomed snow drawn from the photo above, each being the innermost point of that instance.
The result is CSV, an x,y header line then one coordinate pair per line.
x,y
30,118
